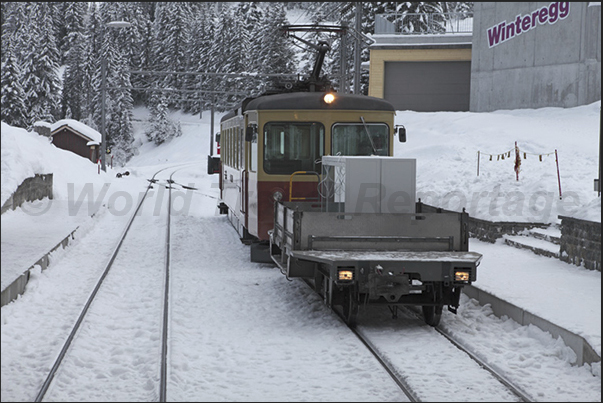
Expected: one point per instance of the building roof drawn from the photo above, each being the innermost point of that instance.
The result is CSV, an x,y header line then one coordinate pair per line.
x,y
93,137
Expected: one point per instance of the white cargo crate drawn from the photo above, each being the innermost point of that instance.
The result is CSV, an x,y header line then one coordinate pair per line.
x,y
372,184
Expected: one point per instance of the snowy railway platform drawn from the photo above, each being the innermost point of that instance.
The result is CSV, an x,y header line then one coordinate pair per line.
x,y
30,234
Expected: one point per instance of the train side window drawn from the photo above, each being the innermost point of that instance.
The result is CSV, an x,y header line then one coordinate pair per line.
x,y
232,147
241,140
223,145
227,144
253,166
292,146
228,150
235,147
359,139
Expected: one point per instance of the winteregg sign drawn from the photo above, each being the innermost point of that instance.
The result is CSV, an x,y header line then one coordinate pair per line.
x,y
550,14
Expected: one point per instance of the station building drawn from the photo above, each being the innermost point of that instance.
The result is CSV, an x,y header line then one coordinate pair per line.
x,y
509,55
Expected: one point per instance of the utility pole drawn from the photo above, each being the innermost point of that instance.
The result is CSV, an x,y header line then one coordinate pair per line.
x,y
598,181
103,148
343,58
211,128
357,55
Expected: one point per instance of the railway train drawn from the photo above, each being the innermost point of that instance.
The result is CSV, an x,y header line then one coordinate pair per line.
x,y
274,183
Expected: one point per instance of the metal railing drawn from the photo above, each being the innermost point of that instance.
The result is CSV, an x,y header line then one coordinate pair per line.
x,y
424,23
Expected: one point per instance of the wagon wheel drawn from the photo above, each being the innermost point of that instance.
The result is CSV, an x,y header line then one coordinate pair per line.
x,y
350,306
432,314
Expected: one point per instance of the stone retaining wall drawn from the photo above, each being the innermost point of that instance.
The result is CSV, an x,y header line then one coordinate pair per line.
x,y
36,188
487,231
580,239
581,242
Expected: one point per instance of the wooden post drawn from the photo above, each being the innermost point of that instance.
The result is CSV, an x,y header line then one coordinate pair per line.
x,y
478,163
558,177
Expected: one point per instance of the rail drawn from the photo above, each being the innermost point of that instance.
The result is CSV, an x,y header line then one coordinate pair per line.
x,y
424,23
165,309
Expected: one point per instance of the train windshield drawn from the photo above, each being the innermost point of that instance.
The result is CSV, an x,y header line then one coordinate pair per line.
x,y
293,146
360,139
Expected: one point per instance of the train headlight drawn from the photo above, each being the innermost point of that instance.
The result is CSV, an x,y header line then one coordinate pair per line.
x,y
461,275
345,275
329,98
277,196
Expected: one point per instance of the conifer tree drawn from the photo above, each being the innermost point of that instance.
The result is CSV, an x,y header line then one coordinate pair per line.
x,y
276,52
74,79
40,70
140,15
161,128
12,96
171,35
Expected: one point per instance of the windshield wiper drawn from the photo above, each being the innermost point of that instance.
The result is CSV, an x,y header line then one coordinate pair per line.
x,y
369,136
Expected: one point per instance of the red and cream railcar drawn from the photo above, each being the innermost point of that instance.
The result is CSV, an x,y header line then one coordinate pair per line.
x,y
272,145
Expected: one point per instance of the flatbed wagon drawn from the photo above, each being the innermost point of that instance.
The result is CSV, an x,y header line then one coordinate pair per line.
x,y
393,259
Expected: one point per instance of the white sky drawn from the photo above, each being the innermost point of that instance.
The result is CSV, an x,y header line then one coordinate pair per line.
x,y
240,331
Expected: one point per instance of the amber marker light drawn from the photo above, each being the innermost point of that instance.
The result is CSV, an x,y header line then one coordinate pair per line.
x,y
461,276
346,275
329,98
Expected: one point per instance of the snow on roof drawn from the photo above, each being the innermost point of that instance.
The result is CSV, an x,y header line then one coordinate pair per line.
x,y
41,123
94,136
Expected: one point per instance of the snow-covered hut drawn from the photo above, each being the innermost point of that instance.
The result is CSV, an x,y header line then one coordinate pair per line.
x,y
77,137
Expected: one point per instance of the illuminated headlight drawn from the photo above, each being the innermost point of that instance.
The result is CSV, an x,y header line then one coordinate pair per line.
x,y
277,196
329,98
461,275
346,275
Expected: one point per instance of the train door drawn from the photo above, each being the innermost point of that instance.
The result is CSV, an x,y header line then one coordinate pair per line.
x,y
242,149
251,166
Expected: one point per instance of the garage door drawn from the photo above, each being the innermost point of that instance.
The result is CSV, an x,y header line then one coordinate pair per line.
x,y
428,86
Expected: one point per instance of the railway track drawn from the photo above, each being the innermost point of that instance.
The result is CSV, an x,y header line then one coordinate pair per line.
x,y
405,378
126,270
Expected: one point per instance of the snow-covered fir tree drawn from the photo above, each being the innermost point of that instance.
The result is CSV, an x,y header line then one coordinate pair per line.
x,y
12,96
164,37
161,128
76,69
276,51
41,69
171,36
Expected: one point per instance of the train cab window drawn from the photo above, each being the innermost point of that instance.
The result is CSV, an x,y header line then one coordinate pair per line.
x,y
292,146
360,139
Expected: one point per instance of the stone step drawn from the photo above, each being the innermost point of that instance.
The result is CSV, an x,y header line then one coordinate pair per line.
x,y
541,247
551,234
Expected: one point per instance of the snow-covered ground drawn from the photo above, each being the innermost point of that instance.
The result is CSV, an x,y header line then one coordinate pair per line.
x,y
259,337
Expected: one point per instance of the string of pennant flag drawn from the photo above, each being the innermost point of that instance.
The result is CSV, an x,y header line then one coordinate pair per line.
x,y
518,155
507,154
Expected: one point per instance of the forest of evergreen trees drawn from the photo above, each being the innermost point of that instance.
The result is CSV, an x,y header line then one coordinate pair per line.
x,y
52,54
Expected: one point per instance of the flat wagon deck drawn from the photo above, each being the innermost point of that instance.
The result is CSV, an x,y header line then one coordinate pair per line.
x,y
383,258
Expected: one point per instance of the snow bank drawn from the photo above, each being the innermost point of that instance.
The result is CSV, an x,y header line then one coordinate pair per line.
x,y
446,146
25,154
